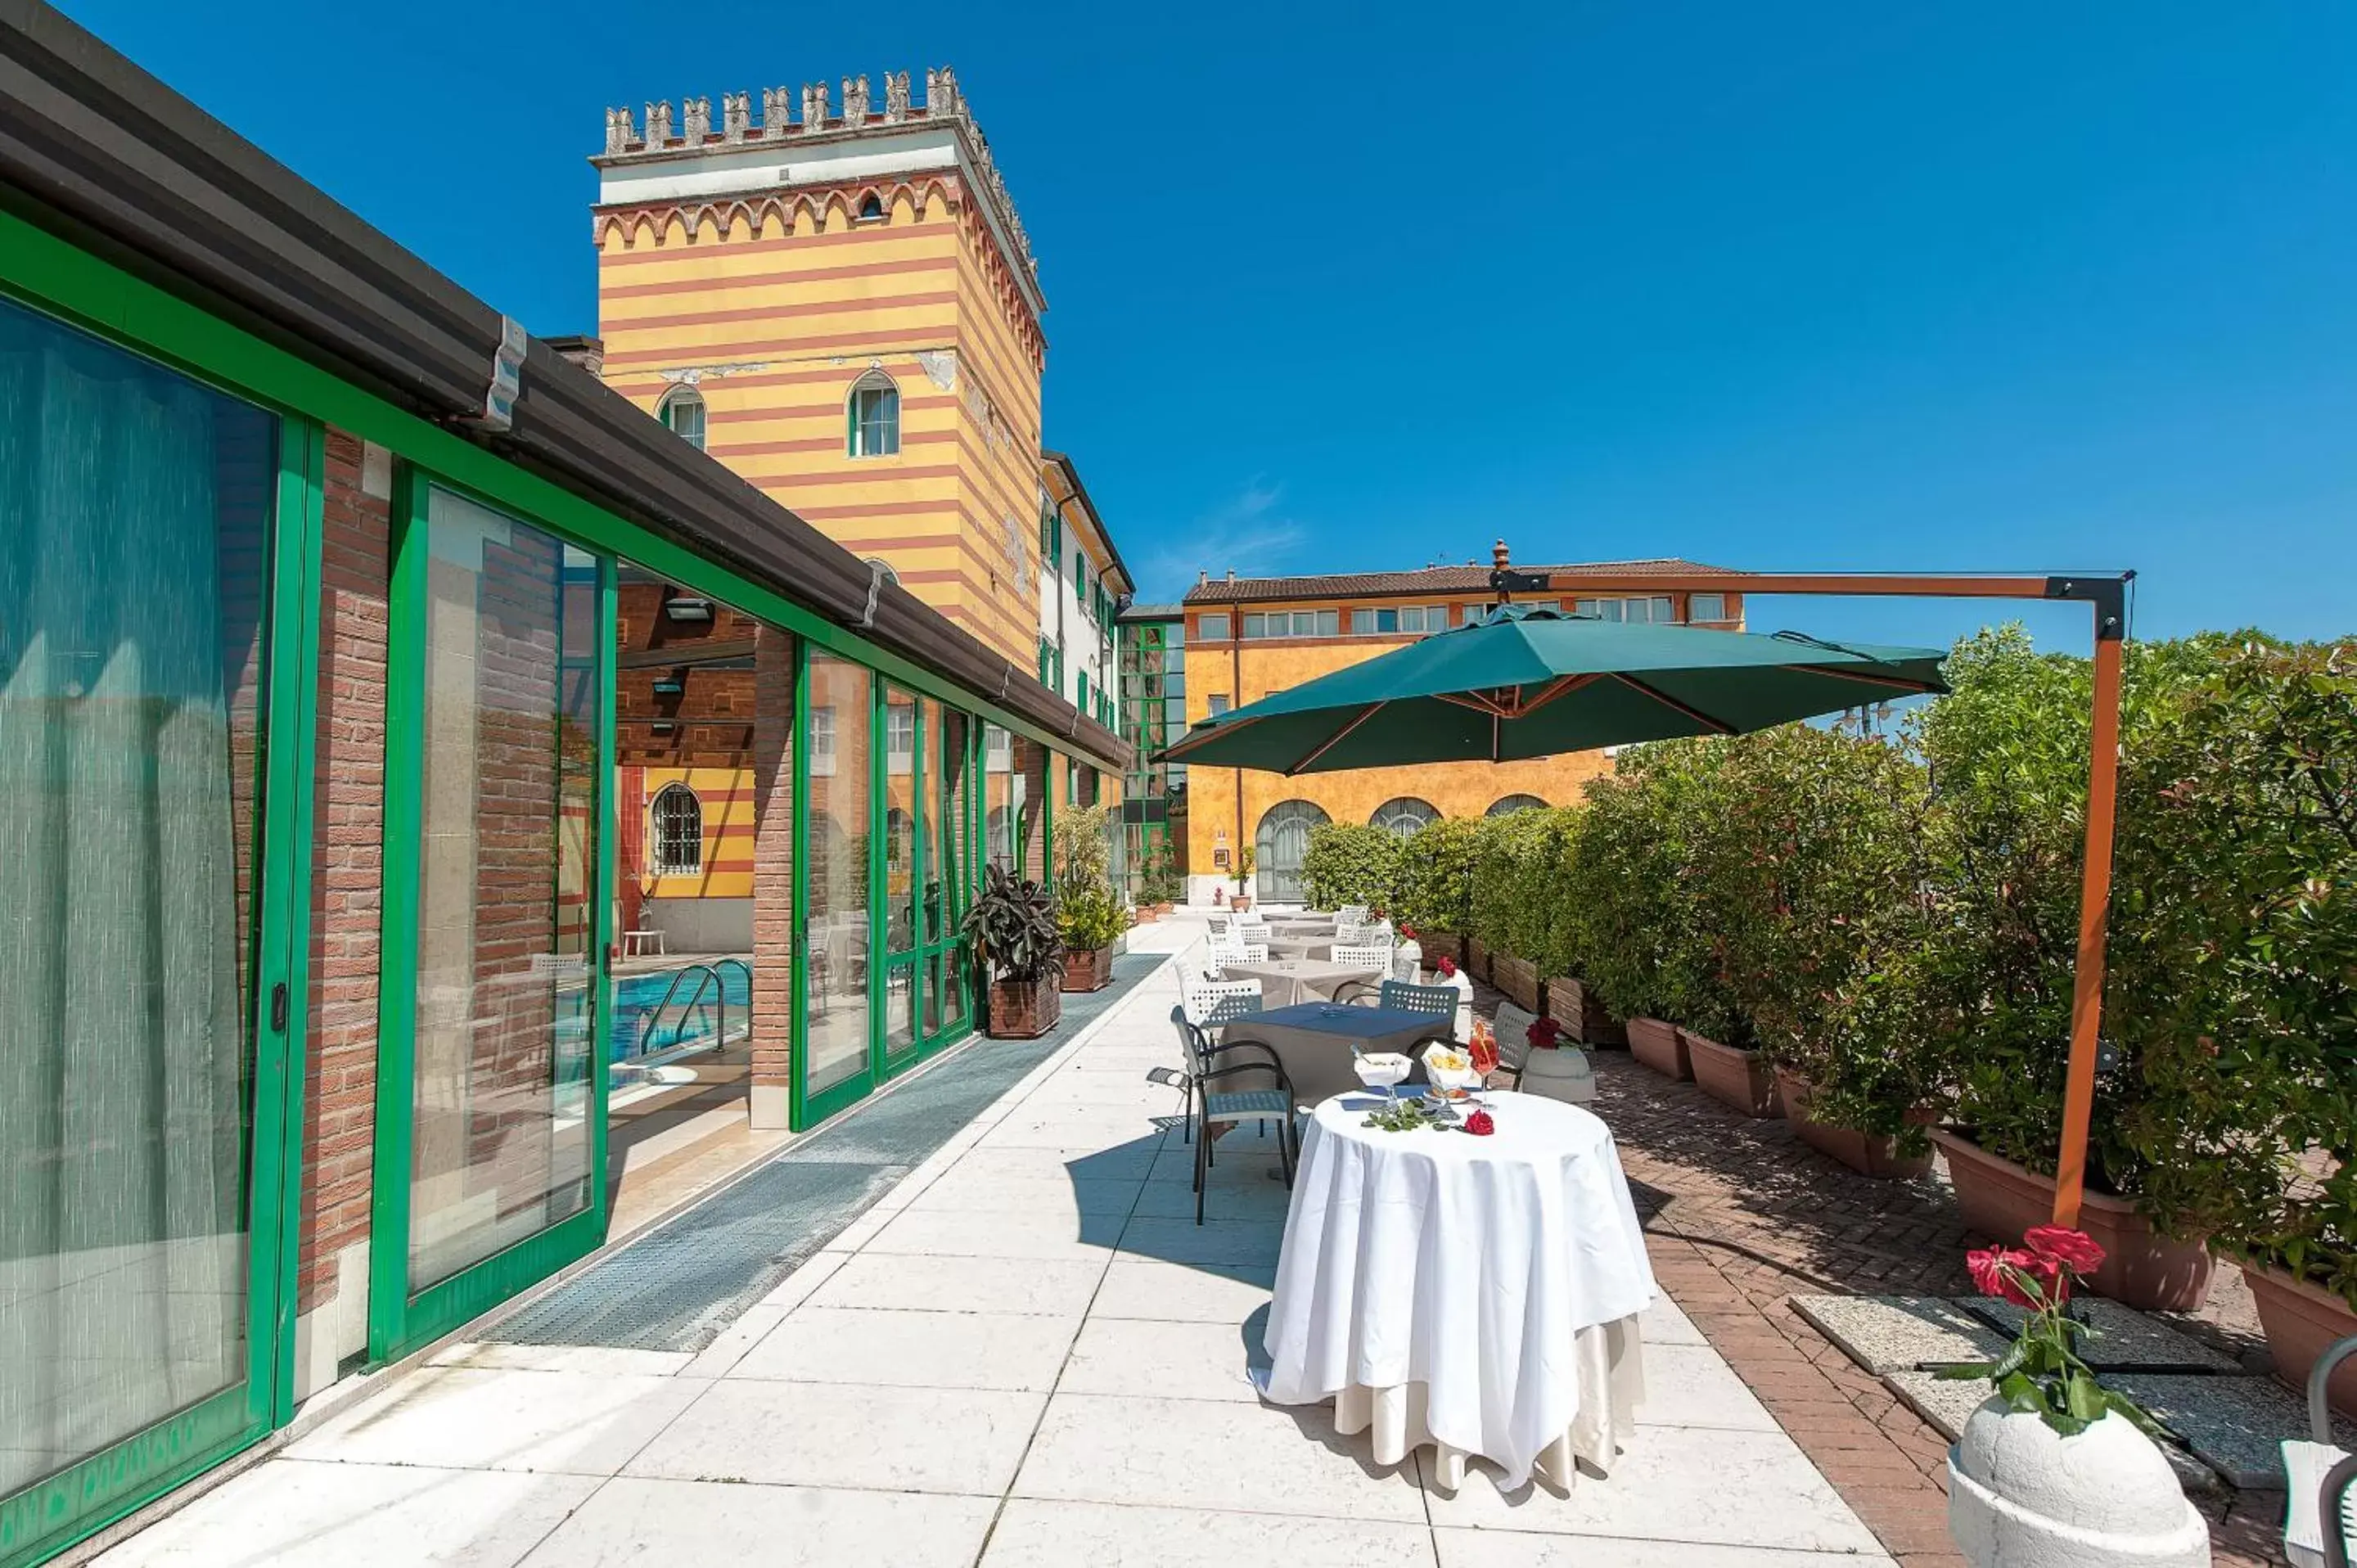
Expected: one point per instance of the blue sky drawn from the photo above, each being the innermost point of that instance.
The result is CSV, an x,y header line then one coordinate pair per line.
x,y
1989,286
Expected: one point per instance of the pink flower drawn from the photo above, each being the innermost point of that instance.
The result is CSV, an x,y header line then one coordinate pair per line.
x,y
1998,1271
1480,1125
2074,1250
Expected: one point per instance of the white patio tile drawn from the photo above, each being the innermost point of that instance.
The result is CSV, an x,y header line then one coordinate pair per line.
x,y
1504,1549
1692,1385
633,1520
1210,1454
1033,1533
593,1359
1260,1199
1054,1237
1164,1360
822,1434
478,1418
940,1283
1695,1485
1184,1292
1666,1323
1216,1240
1243,1157
728,1346
870,1346
992,1194
294,1514
1117,1161
1027,1128
797,1288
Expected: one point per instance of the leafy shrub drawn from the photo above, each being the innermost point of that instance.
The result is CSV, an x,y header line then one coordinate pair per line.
x,y
1088,917
1011,927
1433,889
2234,967
1351,864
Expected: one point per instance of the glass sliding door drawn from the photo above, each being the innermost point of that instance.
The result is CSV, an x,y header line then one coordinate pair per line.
x,y
903,764
494,1146
838,895
956,860
152,566
999,810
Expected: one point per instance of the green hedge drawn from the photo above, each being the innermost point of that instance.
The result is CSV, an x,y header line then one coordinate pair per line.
x,y
1348,864
1433,887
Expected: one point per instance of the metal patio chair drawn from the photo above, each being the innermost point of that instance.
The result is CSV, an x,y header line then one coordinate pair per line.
x,y
1208,1064
2321,1478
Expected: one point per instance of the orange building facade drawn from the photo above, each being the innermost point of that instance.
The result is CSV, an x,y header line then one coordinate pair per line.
x,y
1248,636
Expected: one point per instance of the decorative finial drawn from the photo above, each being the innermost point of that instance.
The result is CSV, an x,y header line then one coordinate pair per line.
x,y
736,115
619,131
658,124
814,106
777,111
1499,557
896,97
854,100
696,120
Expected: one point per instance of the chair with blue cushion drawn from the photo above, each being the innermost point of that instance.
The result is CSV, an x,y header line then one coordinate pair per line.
x,y
1209,1065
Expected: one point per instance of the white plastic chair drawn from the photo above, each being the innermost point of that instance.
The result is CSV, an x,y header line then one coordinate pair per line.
x,y
1354,914
1211,1003
1375,958
2321,1478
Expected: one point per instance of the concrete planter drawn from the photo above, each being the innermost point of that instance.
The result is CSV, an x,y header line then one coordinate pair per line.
x,y
2141,1269
1024,1009
1736,1078
2300,1321
1869,1154
1660,1047
1518,978
1088,971
1559,1072
1573,1004
2021,1495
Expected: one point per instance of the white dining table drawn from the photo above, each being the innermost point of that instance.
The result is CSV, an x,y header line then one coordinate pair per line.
x,y
1476,1294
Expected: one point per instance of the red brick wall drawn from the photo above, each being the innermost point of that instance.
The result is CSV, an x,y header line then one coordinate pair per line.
x,y
773,865
347,874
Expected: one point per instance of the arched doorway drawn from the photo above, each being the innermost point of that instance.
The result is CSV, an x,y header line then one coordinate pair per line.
x,y
1404,816
1507,805
1279,848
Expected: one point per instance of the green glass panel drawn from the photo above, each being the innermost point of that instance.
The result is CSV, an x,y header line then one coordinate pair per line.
x,y
834,850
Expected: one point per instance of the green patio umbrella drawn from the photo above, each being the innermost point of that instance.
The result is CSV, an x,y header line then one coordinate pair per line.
x,y
1532,681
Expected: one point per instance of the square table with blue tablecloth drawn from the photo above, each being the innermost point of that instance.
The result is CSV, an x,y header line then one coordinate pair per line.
x,y
1313,1041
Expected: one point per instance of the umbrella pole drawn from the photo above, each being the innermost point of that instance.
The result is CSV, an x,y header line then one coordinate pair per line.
x,y
2095,909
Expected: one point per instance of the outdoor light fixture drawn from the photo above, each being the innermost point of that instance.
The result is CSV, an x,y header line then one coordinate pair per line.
x,y
687,609
662,726
670,685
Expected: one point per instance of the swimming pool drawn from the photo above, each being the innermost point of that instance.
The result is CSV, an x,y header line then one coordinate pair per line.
x,y
637,996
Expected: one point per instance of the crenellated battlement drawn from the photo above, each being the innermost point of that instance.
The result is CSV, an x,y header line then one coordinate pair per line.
x,y
820,119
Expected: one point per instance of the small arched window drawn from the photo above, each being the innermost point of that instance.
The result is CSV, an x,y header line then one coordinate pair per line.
x,y
871,207
1404,815
1506,805
874,416
678,820
682,415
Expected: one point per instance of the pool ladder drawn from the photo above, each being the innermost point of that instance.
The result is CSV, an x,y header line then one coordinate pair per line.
x,y
708,978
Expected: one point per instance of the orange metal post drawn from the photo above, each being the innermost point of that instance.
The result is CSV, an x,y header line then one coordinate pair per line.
x,y
2095,911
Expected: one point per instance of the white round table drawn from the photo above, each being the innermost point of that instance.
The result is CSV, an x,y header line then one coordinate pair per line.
x,y
1476,1293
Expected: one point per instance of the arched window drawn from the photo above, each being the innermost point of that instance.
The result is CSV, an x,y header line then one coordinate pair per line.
x,y
678,836
1404,815
1279,847
874,416
682,415
871,207
1506,805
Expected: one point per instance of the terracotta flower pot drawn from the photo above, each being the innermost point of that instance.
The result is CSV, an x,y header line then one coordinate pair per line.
x,y
1024,1009
2300,1320
1870,1153
1091,969
2141,1269
1738,1077
1573,1004
1661,1047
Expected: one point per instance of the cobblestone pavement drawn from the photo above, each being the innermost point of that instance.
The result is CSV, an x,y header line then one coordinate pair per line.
x,y
1744,1216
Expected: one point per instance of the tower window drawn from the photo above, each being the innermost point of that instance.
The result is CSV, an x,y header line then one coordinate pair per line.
x,y
682,415
875,416
678,821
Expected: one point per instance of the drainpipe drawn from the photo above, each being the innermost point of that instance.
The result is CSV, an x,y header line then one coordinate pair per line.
x,y
1235,700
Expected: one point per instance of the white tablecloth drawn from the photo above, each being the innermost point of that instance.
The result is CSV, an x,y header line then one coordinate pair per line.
x,y
1476,1294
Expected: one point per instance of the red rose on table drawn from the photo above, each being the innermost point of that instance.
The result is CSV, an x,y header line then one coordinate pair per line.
x,y
1480,1125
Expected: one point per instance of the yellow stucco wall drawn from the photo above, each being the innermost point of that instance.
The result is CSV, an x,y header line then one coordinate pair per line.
x,y
779,316
726,796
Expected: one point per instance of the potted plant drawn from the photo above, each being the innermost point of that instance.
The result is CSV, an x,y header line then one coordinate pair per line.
x,y
1011,931
2054,1467
1089,921
1243,875
1554,1069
